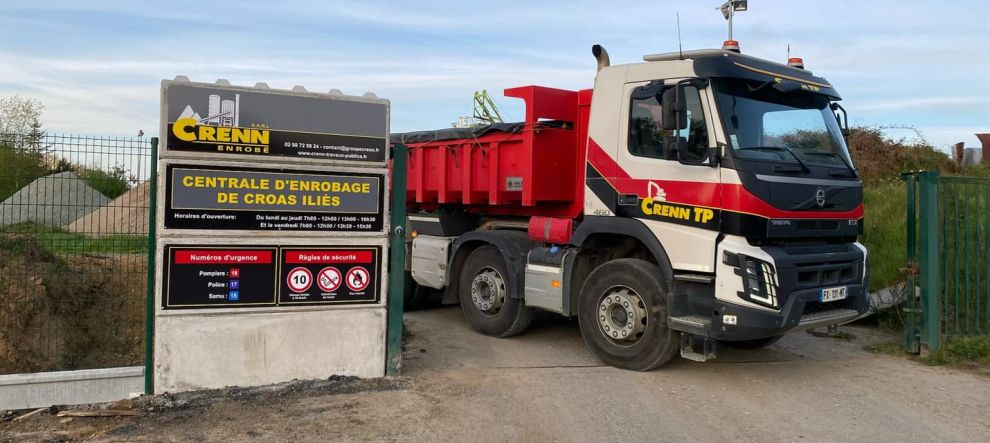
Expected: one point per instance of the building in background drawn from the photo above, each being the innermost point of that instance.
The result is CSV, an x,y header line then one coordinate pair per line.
x,y
972,156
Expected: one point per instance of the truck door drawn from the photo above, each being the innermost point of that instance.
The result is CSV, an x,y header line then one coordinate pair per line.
x,y
676,194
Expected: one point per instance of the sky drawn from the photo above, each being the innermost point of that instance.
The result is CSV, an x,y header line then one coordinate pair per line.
x,y
97,65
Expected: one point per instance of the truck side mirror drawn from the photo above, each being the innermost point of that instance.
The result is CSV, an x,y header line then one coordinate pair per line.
x,y
841,117
674,109
684,155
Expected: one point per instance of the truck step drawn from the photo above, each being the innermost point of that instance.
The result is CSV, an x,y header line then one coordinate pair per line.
x,y
695,278
694,324
697,348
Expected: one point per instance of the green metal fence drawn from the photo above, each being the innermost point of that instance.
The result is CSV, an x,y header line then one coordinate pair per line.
x,y
947,249
74,221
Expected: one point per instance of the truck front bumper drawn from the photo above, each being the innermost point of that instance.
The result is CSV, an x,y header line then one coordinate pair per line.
x,y
770,290
803,310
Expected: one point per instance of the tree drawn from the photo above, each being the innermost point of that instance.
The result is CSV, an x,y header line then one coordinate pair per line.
x,y
20,115
22,157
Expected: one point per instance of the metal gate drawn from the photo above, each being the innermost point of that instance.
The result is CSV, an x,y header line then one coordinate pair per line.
x,y
947,251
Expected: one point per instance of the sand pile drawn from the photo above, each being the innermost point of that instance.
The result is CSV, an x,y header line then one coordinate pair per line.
x,y
55,200
127,214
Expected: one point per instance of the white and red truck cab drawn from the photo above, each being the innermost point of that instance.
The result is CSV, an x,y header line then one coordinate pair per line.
x,y
701,197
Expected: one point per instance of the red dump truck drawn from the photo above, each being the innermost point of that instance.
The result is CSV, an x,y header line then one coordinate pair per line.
x,y
700,197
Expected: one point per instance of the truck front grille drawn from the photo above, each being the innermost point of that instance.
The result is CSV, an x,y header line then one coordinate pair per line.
x,y
813,275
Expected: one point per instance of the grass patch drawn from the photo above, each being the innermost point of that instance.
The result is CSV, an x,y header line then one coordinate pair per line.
x,y
59,241
971,353
967,352
894,348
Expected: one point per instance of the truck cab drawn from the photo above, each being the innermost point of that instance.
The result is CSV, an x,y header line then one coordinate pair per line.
x,y
698,198
739,168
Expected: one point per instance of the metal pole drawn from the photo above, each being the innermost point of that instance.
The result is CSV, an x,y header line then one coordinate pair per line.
x,y
149,314
397,261
930,284
911,298
731,13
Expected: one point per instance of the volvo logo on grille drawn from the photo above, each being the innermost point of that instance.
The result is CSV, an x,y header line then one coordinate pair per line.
x,y
820,197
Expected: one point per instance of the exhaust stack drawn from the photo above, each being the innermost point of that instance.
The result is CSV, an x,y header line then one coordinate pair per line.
x,y
601,55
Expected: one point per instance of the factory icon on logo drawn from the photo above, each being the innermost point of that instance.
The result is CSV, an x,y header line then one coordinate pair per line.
x,y
220,112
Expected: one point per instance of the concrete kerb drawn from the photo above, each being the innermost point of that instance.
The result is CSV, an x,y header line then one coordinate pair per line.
x,y
41,389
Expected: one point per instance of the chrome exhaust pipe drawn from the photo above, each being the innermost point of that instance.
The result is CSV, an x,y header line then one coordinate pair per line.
x,y
601,55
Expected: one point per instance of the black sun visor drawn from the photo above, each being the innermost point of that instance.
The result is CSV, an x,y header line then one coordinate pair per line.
x,y
786,79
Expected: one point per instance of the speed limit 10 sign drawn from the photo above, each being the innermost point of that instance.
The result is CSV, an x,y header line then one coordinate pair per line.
x,y
337,275
299,279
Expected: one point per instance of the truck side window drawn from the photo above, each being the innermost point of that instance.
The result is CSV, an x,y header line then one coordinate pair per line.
x,y
697,130
646,134
645,127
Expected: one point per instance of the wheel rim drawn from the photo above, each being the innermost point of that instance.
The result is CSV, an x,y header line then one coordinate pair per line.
x,y
488,291
622,316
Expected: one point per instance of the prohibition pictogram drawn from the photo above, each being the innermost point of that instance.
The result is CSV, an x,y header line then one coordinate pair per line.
x,y
358,278
329,279
299,279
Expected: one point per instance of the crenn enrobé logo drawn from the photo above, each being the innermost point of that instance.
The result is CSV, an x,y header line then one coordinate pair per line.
x,y
221,129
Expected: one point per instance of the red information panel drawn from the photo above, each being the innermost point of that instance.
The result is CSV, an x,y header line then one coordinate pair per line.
x,y
322,275
219,277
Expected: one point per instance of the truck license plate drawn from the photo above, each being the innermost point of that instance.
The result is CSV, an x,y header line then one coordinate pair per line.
x,y
833,294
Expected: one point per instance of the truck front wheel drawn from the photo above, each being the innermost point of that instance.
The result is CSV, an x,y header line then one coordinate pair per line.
x,y
623,315
484,295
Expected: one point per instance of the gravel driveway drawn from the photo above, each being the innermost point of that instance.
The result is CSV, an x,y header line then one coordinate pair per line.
x,y
545,386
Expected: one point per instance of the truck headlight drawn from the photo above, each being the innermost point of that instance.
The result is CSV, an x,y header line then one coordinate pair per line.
x,y
759,284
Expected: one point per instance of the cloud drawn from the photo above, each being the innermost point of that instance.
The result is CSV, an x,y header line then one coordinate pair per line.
x,y
926,103
97,64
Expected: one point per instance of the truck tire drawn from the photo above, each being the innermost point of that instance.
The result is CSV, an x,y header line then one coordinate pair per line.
x,y
484,295
623,315
757,343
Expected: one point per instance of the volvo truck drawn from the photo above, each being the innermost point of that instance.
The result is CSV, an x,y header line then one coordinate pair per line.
x,y
696,199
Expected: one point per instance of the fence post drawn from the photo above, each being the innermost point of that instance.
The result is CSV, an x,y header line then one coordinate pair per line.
x,y
911,307
149,315
930,261
397,261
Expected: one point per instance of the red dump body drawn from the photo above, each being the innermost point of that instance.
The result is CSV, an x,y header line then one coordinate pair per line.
x,y
536,171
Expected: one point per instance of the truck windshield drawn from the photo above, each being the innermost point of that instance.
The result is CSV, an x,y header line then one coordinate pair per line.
x,y
763,123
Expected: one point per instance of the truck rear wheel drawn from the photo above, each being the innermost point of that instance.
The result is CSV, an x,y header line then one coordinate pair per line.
x,y
623,315
484,295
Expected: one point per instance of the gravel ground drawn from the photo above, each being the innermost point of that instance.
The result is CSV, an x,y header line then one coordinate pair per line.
x,y
545,386
55,200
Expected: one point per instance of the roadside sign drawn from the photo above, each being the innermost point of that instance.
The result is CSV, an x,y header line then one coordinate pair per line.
x,y
267,169
344,275
219,276
358,279
299,279
213,197
329,279
229,120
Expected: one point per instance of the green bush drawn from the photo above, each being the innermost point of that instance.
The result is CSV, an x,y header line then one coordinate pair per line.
x,y
884,233
880,158
112,183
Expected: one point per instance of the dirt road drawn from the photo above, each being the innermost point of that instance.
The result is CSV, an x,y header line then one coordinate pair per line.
x,y
545,386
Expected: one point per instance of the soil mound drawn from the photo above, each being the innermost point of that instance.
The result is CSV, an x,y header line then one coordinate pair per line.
x,y
62,312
